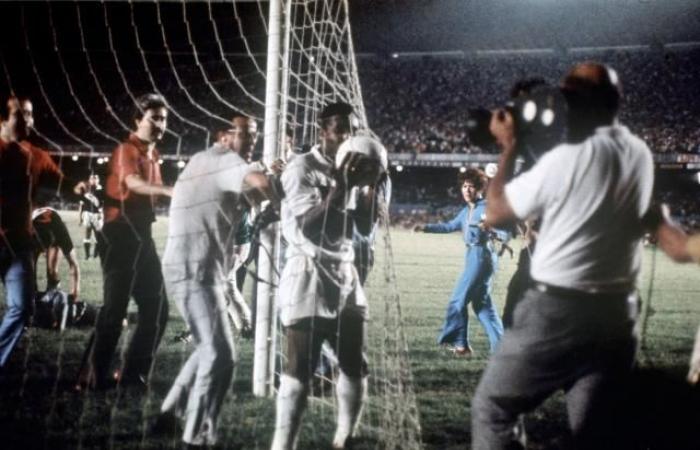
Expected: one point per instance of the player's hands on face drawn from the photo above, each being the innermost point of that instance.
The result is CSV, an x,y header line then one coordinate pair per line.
x,y
277,166
359,170
503,129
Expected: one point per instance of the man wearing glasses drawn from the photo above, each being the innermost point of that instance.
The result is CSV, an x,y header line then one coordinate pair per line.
x,y
209,200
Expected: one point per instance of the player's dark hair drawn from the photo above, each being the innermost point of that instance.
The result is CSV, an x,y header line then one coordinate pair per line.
x,y
333,109
236,115
146,102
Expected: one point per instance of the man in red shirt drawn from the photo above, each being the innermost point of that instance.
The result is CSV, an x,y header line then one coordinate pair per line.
x,y
130,263
23,168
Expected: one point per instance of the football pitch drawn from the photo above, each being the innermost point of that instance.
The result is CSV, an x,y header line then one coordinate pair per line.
x,y
41,410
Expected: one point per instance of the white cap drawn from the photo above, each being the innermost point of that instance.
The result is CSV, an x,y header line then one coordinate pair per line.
x,y
364,145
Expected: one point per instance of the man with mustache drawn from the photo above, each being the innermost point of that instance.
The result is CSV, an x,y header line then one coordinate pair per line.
x,y
130,263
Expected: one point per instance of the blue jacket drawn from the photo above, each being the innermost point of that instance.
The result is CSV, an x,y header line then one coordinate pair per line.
x,y
468,221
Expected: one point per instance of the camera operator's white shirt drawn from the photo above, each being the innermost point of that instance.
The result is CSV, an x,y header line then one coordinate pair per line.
x,y
591,197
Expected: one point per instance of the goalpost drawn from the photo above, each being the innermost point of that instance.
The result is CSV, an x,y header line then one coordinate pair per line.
x,y
266,319
310,63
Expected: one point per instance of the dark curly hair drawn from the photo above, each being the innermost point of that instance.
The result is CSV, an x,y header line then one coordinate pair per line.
x,y
475,176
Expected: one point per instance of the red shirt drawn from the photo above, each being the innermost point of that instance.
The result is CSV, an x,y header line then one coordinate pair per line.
x,y
23,168
131,157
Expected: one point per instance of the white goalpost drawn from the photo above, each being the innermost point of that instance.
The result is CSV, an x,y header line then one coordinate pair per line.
x,y
266,323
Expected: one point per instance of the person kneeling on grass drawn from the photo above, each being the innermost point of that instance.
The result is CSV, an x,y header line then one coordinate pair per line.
x,y
480,260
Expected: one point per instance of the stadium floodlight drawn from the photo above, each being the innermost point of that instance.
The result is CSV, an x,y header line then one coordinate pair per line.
x,y
100,161
181,164
74,157
160,161
399,168
394,55
462,169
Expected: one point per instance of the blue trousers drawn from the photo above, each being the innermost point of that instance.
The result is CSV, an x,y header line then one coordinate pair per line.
x,y
474,285
17,272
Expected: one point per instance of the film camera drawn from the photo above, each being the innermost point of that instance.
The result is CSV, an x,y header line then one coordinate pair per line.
x,y
539,115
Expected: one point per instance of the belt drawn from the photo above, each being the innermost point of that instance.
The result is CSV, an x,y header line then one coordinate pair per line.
x,y
558,290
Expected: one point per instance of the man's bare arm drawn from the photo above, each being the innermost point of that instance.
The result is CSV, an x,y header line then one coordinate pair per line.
x,y
670,236
499,212
74,271
138,185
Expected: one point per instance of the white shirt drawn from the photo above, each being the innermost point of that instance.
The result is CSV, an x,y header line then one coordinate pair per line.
x,y
205,212
312,275
591,197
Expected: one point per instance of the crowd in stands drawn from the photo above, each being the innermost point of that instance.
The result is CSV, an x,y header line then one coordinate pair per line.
x,y
416,104
420,104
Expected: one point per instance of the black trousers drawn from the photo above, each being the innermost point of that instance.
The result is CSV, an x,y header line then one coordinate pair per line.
x,y
581,343
131,268
345,334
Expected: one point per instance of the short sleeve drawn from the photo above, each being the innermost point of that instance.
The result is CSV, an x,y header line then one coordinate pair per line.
x,y
231,173
125,161
300,194
50,176
530,192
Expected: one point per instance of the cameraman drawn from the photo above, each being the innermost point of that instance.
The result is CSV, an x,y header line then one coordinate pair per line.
x,y
573,328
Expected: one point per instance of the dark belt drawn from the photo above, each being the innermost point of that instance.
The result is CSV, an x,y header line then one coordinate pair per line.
x,y
568,292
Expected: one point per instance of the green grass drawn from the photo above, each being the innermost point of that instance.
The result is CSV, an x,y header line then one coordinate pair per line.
x,y
40,410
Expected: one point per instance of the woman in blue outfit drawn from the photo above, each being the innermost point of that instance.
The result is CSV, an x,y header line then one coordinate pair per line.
x,y
480,260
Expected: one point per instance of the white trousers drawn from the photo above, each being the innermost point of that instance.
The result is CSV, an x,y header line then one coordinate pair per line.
x,y
201,386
